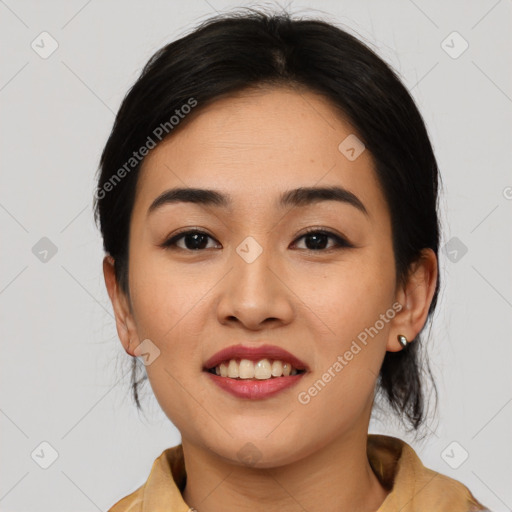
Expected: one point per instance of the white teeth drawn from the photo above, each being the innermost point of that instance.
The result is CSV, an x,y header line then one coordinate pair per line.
x,y
262,369
233,369
277,368
246,369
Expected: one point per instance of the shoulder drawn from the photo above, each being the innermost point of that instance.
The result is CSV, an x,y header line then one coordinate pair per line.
x,y
413,486
434,490
162,487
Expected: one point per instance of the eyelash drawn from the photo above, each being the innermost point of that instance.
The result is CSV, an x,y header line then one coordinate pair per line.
x,y
341,243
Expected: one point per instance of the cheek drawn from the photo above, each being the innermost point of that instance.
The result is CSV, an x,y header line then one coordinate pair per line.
x,y
167,306
333,401
355,311
165,296
351,310
348,296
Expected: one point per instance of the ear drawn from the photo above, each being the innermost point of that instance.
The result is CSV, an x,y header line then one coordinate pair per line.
x,y
125,323
415,298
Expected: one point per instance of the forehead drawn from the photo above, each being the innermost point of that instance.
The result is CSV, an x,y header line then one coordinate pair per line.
x,y
257,144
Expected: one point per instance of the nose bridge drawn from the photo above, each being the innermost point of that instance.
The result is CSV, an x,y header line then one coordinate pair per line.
x,y
252,263
254,292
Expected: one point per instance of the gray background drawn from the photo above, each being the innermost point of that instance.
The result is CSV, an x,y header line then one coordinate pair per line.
x,y
63,375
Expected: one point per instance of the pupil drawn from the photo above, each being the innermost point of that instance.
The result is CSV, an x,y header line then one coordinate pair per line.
x,y
195,246
317,244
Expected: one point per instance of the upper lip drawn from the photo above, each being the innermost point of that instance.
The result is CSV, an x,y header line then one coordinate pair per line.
x,y
254,354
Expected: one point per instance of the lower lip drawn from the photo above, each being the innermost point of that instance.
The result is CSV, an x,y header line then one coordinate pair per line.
x,y
255,389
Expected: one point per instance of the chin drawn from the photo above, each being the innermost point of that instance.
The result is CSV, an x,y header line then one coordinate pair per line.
x,y
260,452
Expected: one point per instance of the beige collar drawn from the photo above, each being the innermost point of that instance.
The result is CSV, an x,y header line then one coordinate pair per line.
x,y
412,486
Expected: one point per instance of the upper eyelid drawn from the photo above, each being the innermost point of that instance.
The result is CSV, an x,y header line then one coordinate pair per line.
x,y
171,241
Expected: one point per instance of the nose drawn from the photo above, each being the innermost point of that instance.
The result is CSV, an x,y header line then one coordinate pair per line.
x,y
255,293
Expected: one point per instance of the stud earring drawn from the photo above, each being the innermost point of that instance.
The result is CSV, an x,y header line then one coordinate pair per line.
x,y
402,340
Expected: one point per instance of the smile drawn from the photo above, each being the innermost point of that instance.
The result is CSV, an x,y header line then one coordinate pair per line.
x,y
262,370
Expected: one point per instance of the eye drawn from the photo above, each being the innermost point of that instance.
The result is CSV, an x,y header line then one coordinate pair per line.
x,y
194,240
318,237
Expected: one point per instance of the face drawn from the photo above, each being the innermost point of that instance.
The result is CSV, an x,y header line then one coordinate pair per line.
x,y
317,295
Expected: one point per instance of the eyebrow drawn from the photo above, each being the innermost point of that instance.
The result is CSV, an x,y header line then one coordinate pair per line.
x,y
299,197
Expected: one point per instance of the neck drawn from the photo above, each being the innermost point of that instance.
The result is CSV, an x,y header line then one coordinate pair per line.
x,y
338,476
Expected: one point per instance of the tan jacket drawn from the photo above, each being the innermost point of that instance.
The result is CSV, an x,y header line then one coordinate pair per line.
x,y
412,486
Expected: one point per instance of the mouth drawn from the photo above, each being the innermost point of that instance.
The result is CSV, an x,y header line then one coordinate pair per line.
x,y
261,369
264,362
254,374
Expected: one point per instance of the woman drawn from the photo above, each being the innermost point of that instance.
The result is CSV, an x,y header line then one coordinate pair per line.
x,y
268,204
